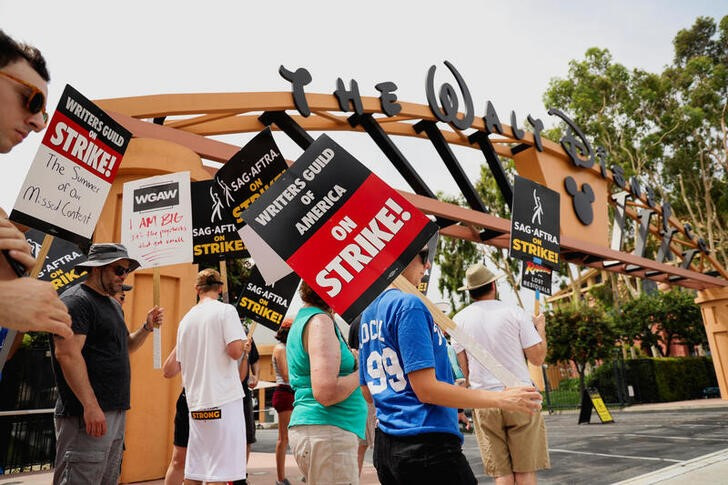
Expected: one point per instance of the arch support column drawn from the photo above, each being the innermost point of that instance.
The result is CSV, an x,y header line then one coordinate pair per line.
x,y
714,307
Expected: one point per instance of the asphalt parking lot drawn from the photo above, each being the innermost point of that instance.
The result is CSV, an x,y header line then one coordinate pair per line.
x,y
635,444
638,442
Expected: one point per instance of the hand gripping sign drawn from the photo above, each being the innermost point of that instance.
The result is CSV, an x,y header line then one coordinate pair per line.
x,y
71,175
339,226
156,228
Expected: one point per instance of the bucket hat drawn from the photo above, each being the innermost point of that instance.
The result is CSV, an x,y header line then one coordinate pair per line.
x,y
106,253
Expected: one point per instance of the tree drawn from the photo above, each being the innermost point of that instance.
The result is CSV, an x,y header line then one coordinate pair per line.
x,y
454,256
662,318
667,128
580,334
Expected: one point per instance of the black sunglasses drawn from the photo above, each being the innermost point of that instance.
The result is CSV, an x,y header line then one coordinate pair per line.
x,y
424,255
35,101
121,271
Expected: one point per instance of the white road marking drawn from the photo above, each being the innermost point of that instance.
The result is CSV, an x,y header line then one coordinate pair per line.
x,y
649,458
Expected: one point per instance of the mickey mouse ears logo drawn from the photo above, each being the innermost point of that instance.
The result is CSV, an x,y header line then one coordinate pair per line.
x,y
582,200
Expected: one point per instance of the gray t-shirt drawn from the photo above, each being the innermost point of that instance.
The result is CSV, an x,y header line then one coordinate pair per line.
x,y
106,351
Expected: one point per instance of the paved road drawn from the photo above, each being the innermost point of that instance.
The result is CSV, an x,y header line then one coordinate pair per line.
x,y
637,443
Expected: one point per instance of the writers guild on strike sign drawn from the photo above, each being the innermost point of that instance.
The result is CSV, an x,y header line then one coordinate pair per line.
x,y
339,226
67,184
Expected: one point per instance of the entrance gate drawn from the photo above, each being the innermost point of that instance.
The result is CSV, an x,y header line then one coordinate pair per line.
x,y
173,132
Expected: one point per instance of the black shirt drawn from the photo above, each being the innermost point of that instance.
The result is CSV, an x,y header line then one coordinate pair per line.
x,y
252,359
106,351
354,333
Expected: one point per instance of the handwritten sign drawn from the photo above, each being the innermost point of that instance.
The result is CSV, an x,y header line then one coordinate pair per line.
x,y
339,226
213,236
60,263
67,184
157,220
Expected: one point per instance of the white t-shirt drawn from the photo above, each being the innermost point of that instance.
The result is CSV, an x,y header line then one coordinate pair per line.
x,y
504,331
210,377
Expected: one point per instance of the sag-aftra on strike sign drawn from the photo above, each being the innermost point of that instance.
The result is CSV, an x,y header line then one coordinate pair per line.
x,y
339,226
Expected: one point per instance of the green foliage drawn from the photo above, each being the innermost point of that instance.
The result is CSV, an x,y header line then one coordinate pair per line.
x,y
454,256
667,128
661,317
580,334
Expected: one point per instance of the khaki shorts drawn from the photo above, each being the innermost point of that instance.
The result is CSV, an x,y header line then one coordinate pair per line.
x,y
326,455
511,442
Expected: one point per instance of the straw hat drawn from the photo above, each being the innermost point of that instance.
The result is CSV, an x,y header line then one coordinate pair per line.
x,y
478,275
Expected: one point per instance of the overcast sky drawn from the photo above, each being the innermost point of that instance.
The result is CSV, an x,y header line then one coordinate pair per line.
x,y
506,51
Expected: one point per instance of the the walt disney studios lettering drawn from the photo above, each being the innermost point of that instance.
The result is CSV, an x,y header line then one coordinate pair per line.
x,y
574,142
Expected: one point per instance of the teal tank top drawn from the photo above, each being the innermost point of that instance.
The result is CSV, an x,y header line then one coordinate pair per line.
x,y
349,414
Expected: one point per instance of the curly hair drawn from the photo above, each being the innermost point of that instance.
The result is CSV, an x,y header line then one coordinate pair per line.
x,y
311,297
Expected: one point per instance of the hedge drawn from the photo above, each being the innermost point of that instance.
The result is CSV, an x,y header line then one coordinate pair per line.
x,y
657,379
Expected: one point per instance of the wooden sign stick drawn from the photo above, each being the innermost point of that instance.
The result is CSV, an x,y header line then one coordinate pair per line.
x,y
252,328
157,352
223,276
39,262
476,350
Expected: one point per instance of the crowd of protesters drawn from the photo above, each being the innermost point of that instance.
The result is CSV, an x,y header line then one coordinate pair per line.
x,y
390,387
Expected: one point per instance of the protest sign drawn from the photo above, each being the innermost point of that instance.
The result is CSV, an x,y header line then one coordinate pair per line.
x,y
67,183
536,277
267,304
535,223
213,236
60,263
156,221
248,174
156,228
339,226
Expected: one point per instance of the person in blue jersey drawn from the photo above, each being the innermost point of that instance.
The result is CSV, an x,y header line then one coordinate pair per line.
x,y
404,368
329,412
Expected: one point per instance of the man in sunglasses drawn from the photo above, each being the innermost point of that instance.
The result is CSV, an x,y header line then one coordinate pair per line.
x,y
25,304
92,371
405,370
23,91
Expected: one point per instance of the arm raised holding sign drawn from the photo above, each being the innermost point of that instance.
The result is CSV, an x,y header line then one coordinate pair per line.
x,y
405,369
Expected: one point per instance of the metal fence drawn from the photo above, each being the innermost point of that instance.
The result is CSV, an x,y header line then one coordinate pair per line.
x,y
565,394
27,396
